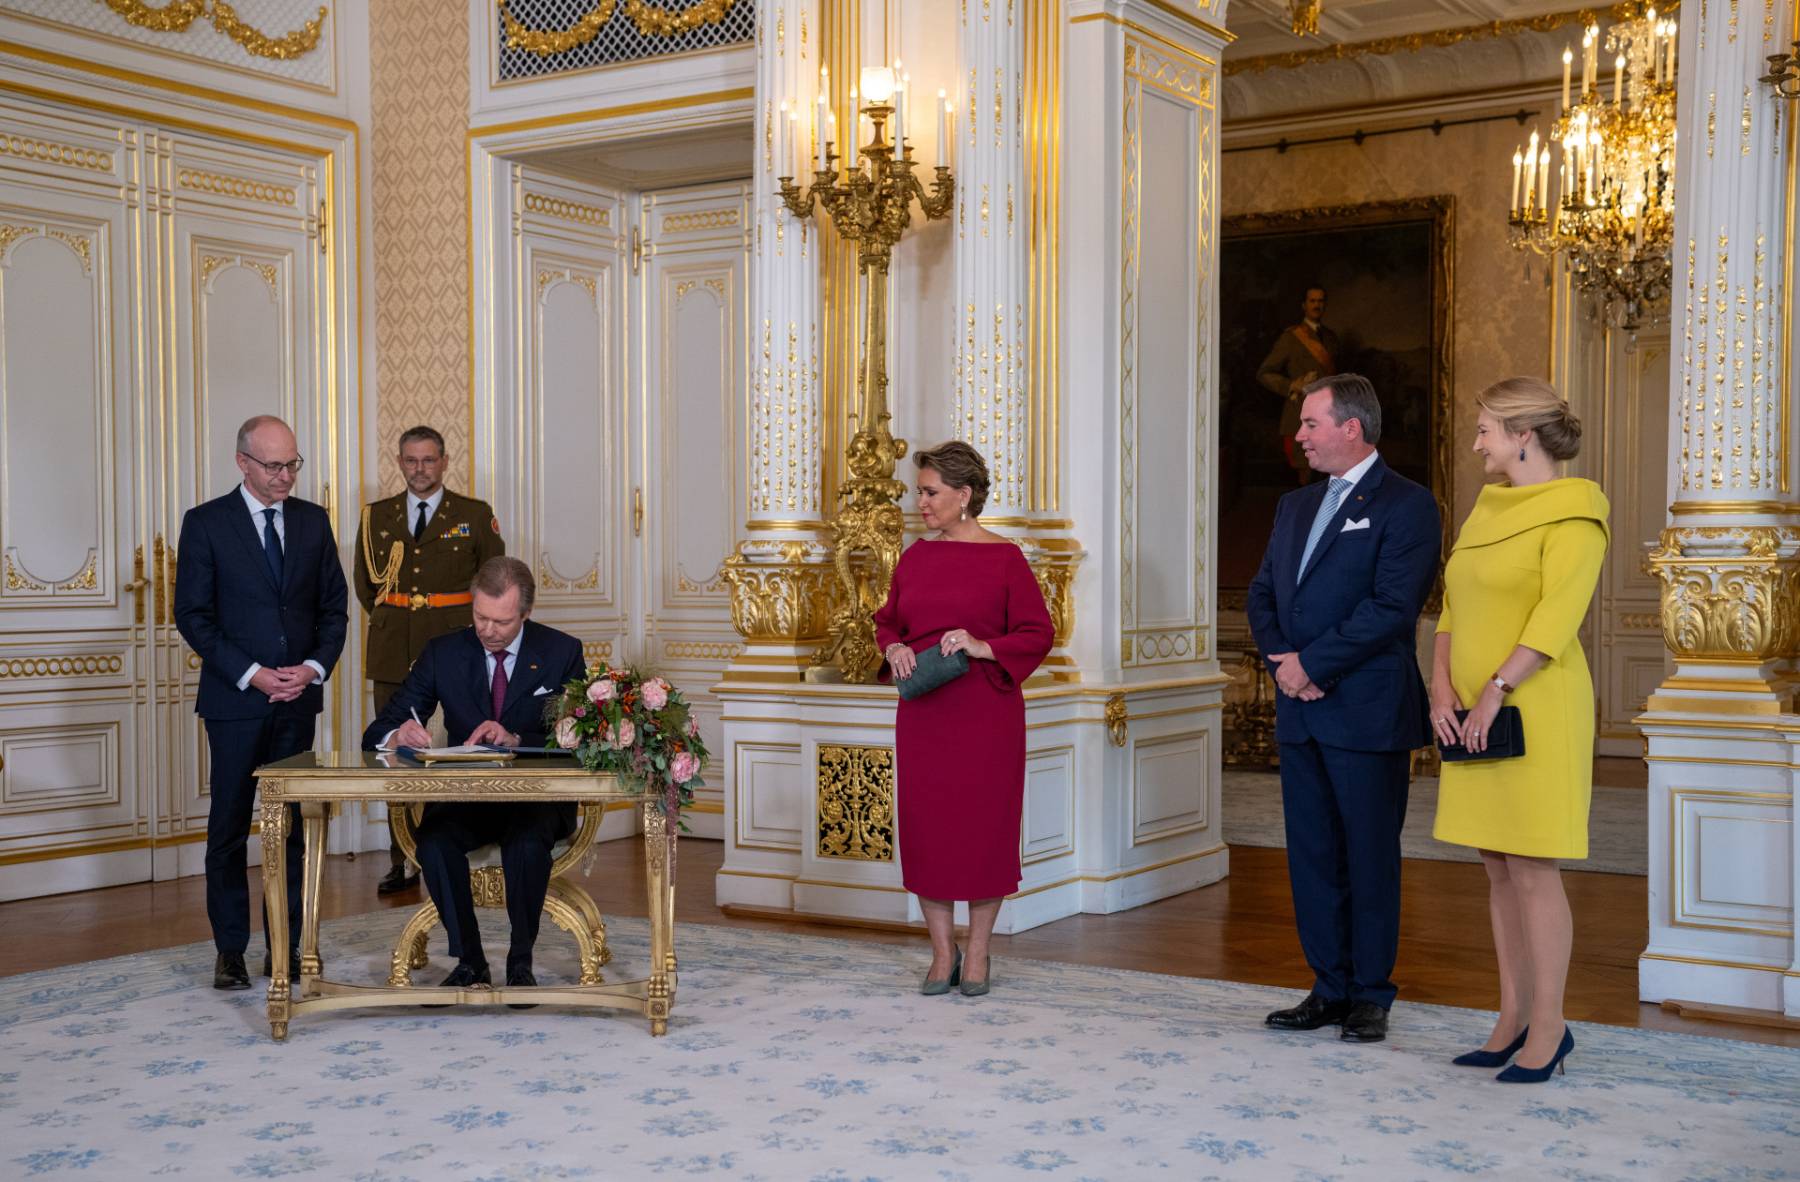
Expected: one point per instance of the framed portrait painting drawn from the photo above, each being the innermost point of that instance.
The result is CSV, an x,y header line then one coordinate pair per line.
x,y
1305,293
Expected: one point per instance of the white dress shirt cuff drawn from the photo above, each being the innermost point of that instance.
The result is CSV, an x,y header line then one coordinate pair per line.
x,y
244,681
316,668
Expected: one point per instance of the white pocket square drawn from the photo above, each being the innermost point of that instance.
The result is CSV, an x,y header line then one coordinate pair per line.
x,y
1350,525
541,690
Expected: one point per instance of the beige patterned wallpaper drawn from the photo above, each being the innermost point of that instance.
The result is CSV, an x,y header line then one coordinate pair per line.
x,y
419,95
1501,318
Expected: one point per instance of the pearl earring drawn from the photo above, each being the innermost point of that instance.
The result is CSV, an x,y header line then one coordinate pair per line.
x,y
963,515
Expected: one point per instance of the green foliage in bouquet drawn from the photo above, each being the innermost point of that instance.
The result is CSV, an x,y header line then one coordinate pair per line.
x,y
635,725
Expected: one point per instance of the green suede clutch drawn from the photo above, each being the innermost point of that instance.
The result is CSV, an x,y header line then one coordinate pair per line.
x,y
933,669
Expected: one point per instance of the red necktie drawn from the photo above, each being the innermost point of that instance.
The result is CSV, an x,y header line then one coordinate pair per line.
x,y
499,684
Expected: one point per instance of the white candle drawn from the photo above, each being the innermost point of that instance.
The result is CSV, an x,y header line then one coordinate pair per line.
x,y
1589,199
1618,77
795,156
900,120
943,140
1669,54
1568,59
1531,157
1518,163
830,136
1543,180
1589,58
821,133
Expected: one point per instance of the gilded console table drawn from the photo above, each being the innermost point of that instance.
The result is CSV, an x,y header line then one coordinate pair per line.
x,y
315,781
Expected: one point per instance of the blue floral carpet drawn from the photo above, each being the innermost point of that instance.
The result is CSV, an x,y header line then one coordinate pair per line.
x,y
798,1057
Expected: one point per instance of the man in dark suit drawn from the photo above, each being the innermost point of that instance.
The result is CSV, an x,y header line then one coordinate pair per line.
x,y
493,680
260,597
1333,609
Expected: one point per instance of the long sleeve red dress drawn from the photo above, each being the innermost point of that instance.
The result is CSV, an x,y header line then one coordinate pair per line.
x,y
960,749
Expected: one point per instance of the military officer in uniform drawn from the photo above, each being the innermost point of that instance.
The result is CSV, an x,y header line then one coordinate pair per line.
x,y
415,555
1301,354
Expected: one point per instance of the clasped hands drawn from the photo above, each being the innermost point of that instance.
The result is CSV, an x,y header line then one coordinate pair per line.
x,y
286,683
1292,679
1472,731
902,660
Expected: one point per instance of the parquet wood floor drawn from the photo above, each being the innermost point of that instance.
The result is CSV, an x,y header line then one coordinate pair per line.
x,y
1240,929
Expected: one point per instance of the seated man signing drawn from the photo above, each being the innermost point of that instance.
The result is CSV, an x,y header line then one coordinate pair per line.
x,y
493,679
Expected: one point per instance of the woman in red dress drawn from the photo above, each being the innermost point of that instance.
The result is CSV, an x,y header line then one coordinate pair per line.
x,y
961,748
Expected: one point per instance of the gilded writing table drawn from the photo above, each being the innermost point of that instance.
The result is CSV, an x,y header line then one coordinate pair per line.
x,y
316,780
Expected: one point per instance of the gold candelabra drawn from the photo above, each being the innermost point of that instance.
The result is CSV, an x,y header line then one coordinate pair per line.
x,y
1784,73
870,205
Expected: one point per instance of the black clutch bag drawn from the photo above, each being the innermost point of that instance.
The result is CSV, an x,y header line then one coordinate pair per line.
x,y
1505,738
933,669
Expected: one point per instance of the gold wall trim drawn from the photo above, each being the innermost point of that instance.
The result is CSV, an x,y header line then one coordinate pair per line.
x,y
1043,316
1148,34
223,185
710,219
678,102
568,211
113,845
1791,248
1116,876
1412,42
50,152
840,291
85,666
1193,20
1683,508
1709,963
226,98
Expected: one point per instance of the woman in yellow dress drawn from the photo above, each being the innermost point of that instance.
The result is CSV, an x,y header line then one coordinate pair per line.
x,y
1516,590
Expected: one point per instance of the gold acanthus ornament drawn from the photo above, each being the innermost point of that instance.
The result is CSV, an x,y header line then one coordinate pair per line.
x,y
649,20
177,15
782,592
856,803
1729,592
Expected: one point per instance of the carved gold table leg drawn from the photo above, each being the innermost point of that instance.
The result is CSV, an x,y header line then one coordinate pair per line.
x,y
661,989
409,949
275,911
312,815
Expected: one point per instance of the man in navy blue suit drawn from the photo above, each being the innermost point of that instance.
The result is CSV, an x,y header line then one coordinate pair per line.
x,y
1333,609
260,597
493,680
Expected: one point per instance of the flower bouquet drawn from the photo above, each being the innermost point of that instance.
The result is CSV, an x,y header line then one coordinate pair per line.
x,y
635,725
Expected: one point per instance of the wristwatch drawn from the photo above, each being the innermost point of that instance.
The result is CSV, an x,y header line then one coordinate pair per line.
x,y
1499,683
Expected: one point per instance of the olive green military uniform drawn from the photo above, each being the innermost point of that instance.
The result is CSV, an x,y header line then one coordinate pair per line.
x,y
458,538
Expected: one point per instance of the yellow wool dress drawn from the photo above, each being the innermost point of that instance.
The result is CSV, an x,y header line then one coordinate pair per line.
x,y
1523,572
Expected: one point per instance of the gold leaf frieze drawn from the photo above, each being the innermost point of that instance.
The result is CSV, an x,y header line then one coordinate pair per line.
x,y
568,211
178,16
712,219
651,21
856,803
224,185
679,650
84,666
49,152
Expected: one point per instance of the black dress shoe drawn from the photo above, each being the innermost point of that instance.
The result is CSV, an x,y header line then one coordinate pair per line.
x,y
520,975
1310,1014
293,965
397,880
229,971
1366,1022
466,974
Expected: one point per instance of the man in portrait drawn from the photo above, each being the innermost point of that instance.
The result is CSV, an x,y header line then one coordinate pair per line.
x,y
1301,353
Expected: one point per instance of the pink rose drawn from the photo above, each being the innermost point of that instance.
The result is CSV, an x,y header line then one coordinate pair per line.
x,y
684,767
602,690
581,712
627,733
656,693
565,734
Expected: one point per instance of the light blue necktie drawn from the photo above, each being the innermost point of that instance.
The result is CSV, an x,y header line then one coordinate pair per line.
x,y
1333,494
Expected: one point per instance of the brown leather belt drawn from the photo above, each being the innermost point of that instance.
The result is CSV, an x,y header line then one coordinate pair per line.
x,y
418,601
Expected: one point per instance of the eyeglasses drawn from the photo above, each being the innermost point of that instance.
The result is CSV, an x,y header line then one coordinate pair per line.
x,y
292,467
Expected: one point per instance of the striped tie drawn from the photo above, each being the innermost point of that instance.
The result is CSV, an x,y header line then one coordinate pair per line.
x,y
1327,511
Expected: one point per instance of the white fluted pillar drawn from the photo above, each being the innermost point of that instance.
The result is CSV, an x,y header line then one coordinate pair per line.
x,y
992,250
780,575
1722,735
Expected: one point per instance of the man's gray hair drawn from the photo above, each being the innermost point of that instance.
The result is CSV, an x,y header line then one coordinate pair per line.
x,y
502,573
1352,397
251,425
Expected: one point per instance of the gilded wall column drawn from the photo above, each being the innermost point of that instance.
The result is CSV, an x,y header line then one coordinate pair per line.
x,y
1721,735
780,576
1728,560
1005,375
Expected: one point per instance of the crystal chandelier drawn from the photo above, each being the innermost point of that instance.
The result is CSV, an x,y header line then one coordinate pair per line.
x,y
1610,207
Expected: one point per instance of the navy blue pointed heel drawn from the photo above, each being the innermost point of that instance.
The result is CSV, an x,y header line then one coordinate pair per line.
x,y
1497,1058
1518,1074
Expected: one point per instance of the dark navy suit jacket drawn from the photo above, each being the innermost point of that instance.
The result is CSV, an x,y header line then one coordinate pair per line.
x,y
452,671
1352,615
231,613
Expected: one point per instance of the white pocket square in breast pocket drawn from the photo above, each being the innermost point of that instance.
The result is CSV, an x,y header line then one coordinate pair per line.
x,y
541,690
1350,525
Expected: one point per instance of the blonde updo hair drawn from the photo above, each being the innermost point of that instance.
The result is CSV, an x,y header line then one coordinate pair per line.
x,y
1532,404
959,466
